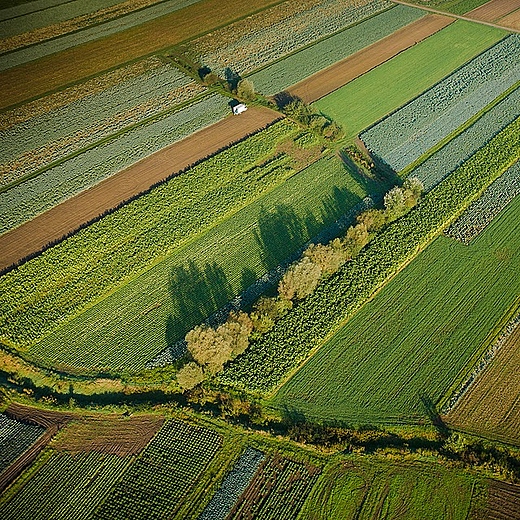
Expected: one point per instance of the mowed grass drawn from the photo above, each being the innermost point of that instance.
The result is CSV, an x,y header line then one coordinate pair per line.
x,y
134,324
368,98
368,490
405,348
63,68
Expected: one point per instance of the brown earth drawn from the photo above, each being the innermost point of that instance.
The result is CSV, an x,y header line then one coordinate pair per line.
x,y
109,434
57,70
493,10
512,20
502,503
67,217
491,407
337,75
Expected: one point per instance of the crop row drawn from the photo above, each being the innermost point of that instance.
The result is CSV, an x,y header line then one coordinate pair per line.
x,y
27,34
76,92
277,492
66,487
445,160
15,438
481,212
234,484
289,342
38,194
53,46
43,292
405,135
262,38
51,136
162,476
296,67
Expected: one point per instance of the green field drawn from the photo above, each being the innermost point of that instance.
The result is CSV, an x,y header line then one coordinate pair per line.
x,y
373,489
405,348
380,91
134,324
451,6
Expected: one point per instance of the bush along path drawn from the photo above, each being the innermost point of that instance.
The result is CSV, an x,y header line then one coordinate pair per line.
x,y
269,359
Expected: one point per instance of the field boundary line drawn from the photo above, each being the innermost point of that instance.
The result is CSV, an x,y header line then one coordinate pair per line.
x,y
459,16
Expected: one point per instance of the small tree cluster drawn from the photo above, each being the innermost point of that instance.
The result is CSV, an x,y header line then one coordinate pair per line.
x,y
315,121
246,90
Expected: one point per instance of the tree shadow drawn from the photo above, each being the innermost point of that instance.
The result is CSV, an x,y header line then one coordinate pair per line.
x,y
196,293
232,78
284,98
432,413
374,186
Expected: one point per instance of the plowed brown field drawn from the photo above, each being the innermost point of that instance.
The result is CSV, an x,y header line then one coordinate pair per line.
x,y
491,406
503,503
334,77
512,20
68,216
493,10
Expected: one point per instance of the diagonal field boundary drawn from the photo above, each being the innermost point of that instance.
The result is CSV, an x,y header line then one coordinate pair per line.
x,y
72,214
326,81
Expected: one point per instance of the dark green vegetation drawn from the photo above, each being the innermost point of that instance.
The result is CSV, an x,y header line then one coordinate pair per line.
x,y
403,349
373,95
335,300
451,6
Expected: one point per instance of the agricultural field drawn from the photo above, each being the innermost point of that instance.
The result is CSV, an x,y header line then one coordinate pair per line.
x,y
381,489
156,309
372,96
402,137
136,212
407,339
312,59
490,406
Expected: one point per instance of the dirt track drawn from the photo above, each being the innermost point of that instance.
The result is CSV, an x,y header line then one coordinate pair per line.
x,y
68,216
340,73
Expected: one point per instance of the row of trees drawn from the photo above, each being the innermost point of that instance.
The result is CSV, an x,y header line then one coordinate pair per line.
x,y
211,348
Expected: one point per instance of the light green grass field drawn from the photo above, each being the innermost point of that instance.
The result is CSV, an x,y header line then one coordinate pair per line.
x,y
134,324
406,347
380,91
451,6
374,489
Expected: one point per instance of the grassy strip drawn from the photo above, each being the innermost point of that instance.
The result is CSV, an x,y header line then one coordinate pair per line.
x,y
372,96
47,74
451,6
281,350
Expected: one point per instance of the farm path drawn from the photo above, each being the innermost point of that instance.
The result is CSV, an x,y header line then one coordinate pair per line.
x,y
496,13
69,216
337,75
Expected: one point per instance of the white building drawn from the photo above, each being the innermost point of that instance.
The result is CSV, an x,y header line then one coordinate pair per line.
x,y
238,109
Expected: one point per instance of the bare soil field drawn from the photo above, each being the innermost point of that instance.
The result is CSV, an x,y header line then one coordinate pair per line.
x,y
109,434
63,68
491,406
494,10
328,80
502,503
70,215
512,20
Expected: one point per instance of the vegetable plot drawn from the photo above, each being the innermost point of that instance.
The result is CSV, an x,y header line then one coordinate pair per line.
x,y
162,476
405,135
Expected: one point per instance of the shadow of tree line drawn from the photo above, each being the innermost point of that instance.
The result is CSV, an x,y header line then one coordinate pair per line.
x,y
199,289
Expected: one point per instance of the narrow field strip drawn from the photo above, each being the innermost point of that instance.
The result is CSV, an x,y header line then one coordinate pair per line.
x,y
70,215
370,97
53,46
131,326
493,10
313,59
339,74
84,481
52,72
403,136
490,204
511,20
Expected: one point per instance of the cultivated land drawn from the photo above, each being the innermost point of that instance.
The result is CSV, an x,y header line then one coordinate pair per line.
x,y
69,216
373,95
417,335
401,328
491,406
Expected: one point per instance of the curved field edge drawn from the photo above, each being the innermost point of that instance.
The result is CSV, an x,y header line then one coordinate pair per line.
x,y
262,367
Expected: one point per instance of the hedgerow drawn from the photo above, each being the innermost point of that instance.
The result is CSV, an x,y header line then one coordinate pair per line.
x,y
290,341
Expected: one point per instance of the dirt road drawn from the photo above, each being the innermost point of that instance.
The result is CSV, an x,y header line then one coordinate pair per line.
x,y
337,75
68,216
